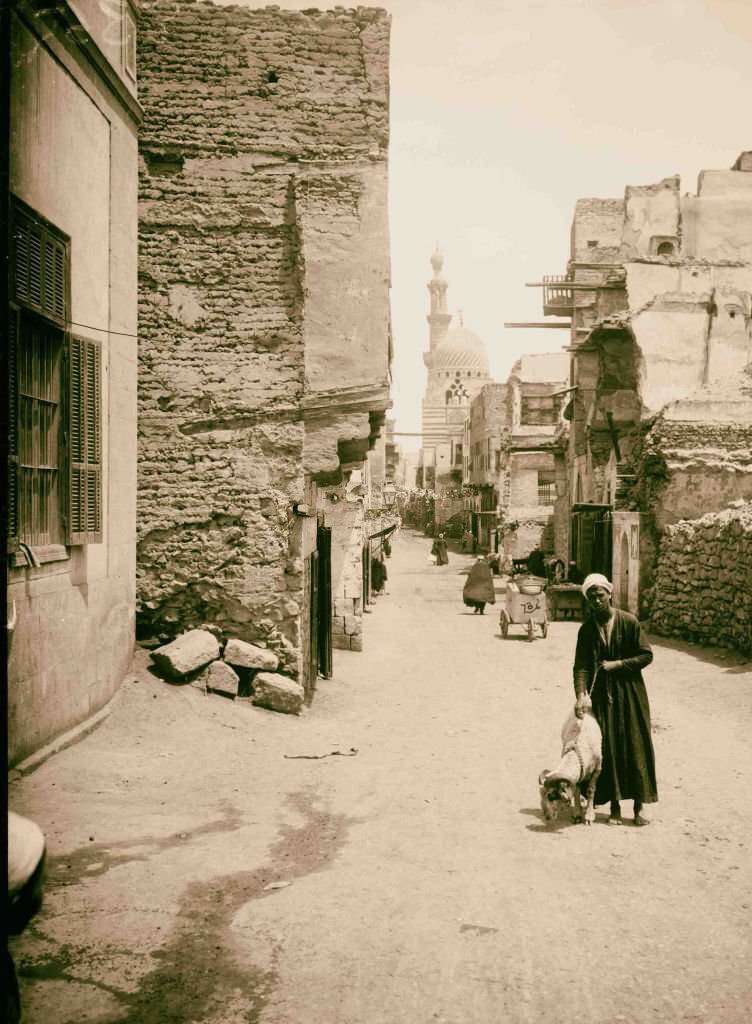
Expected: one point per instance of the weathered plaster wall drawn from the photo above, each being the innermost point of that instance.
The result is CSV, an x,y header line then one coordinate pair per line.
x,y
650,211
524,478
625,574
693,325
703,589
717,222
343,222
263,234
73,158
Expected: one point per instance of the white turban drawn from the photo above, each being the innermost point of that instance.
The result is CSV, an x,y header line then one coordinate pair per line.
x,y
25,849
596,579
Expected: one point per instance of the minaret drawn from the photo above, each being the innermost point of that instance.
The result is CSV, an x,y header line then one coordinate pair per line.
x,y
433,420
438,318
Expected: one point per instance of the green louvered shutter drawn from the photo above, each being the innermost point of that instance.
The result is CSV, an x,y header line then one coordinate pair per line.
x,y
84,441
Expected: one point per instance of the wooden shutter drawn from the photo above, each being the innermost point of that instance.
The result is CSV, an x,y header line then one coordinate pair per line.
x,y
40,266
12,356
84,441
53,293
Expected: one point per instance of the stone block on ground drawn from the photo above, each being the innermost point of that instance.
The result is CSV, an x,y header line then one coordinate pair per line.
x,y
340,642
187,654
241,654
221,678
278,693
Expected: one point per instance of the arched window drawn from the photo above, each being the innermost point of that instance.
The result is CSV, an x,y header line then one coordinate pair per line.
x,y
665,249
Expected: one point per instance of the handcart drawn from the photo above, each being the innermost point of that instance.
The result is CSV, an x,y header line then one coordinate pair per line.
x,y
525,605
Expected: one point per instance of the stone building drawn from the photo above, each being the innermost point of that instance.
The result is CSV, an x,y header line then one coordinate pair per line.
x,y
659,291
485,446
265,322
532,484
512,460
457,368
71,350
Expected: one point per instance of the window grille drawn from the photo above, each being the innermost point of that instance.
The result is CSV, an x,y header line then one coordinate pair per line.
x,y
37,396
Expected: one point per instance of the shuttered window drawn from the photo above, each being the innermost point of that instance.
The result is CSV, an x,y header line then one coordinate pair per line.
x,y
38,361
54,450
40,268
12,495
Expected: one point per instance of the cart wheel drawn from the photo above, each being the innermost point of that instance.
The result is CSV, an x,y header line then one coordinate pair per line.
x,y
503,623
530,630
544,628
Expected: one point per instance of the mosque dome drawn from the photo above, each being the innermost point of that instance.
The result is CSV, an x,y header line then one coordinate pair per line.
x,y
461,350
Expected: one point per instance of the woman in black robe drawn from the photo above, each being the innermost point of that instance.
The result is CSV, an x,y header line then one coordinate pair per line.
x,y
611,653
439,549
479,588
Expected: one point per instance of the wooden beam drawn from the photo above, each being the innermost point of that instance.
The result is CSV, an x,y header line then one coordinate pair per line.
x,y
578,286
560,327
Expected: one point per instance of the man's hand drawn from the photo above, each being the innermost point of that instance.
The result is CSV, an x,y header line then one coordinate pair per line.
x,y
582,704
610,666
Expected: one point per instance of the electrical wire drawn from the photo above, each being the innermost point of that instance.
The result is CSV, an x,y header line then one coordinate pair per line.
x,y
104,330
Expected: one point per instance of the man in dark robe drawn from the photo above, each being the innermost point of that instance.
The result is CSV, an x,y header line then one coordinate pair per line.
x,y
479,588
611,653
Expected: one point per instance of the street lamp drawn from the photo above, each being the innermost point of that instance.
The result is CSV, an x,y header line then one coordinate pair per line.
x,y
389,492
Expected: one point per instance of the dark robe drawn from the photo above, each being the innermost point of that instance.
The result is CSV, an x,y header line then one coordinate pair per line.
x,y
479,587
378,575
440,550
621,708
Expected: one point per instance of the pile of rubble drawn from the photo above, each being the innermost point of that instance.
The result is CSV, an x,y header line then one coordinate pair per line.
x,y
241,670
703,589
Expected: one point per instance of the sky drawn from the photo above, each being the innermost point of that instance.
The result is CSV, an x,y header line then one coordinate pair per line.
x,y
504,112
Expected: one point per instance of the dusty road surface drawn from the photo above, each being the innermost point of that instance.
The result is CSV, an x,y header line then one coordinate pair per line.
x,y
197,874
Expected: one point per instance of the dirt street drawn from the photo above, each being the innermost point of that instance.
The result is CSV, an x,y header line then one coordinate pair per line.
x,y
197,874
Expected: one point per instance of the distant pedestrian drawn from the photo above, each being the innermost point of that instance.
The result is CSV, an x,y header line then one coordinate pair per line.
x,y
378,575
439,549
611,654
479,588
467,540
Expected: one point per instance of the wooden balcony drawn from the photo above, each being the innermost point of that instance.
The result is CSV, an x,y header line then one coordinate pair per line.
x,y
558,295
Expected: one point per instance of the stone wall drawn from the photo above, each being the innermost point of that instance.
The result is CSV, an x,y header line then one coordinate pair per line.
x,y
248,113
703,588
346,517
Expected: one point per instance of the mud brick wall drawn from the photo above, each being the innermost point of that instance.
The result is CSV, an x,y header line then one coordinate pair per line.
x,y
703,588
240,106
